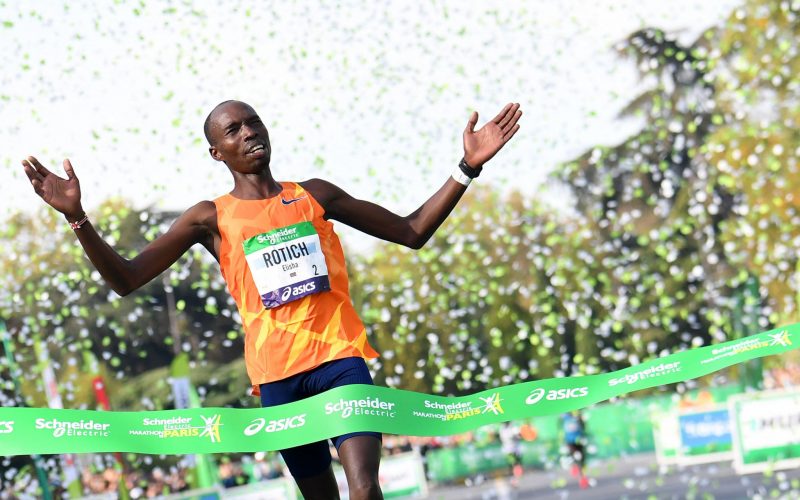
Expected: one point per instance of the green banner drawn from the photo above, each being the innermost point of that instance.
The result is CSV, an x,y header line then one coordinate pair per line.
x,y
357,408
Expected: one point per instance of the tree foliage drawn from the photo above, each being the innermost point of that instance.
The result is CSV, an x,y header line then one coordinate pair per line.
x,y
53,295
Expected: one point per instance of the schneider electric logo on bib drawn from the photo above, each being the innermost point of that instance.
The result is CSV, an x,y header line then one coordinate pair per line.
x,y
652,372
556,394
277,236
366,406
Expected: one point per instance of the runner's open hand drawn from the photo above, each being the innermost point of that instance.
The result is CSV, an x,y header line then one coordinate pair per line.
x,y
482,144
62,194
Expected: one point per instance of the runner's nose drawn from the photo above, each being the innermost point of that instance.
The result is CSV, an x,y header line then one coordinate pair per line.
x,y
249,132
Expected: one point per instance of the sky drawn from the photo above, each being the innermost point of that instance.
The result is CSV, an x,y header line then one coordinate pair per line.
x,y
372,96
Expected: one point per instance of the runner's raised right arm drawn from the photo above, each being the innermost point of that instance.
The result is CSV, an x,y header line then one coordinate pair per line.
x,y
123,275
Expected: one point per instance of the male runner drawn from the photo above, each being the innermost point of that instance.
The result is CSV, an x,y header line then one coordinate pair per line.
x,y
575,438
510,439
284,267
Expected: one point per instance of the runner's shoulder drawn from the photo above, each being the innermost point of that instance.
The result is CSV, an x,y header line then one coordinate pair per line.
x,y
320,189
315,183
202,214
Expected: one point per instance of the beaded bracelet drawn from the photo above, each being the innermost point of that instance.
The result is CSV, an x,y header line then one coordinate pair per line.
x,y
79,223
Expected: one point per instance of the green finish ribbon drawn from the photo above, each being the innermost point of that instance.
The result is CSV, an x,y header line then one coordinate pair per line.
x,y
358,408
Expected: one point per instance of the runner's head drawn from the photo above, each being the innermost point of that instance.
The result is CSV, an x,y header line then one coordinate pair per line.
x,y
237,136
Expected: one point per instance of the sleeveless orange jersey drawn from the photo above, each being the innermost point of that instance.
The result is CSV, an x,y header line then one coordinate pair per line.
x,y
301,334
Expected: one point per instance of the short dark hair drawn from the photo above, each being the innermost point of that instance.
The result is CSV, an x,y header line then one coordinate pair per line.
x,y
207,123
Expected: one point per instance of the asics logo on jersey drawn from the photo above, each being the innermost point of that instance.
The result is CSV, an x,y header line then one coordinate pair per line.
x,y
289,202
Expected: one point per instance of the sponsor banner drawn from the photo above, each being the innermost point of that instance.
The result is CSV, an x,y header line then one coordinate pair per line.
x,y
692,435
666,437
180,427
6,427
705,431
705,435
766,430
744,345
355,408
538,395
657,371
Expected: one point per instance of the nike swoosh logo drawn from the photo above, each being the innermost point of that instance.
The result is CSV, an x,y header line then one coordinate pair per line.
x,y
289,202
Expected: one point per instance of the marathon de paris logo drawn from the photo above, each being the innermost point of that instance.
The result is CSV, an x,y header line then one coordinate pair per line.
x,y
492,404
781,338
211,428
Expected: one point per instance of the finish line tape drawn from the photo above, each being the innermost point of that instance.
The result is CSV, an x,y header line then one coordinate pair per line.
x,y
25,431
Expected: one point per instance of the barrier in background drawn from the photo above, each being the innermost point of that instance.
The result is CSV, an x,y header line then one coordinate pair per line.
x,y
766,430
666,437
614,429
273,489
401,476
705,435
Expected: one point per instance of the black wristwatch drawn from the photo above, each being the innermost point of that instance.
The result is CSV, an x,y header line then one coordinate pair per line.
x,y
470,172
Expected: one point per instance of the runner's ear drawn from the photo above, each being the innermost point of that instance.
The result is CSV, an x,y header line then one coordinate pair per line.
x,y
214,153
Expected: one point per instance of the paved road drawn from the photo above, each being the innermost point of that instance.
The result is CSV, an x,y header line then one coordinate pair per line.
x,y
635,477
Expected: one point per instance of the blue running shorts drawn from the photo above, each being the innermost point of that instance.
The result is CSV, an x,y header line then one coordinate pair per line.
x,y
311,459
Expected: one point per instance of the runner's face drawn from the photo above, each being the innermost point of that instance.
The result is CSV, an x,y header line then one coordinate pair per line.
x,y
240,138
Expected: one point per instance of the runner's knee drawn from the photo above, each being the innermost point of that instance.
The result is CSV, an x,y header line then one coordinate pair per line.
x,y
365,487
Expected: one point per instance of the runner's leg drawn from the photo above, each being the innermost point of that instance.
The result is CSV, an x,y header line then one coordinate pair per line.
x,y
320,487
359,452
309,464
361,458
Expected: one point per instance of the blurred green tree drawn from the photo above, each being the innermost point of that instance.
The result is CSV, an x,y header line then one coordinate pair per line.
x,y
52,294
487,301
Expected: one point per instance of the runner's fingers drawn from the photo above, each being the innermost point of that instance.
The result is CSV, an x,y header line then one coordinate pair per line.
x,y
473,119
508,125
502,113
37,187
38,166
511,133
68,169
30,171
509,115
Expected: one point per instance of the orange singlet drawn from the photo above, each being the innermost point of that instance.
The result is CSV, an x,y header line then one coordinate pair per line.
x,y
293,327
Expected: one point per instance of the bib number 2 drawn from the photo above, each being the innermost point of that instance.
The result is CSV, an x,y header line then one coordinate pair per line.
x,y
287,264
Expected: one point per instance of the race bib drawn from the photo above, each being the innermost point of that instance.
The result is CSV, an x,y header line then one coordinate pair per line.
x,y
287,264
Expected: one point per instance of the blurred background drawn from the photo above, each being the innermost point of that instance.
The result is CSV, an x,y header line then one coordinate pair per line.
x,y
646,206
